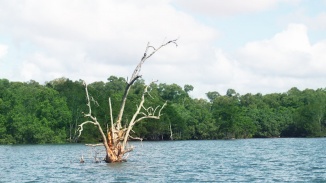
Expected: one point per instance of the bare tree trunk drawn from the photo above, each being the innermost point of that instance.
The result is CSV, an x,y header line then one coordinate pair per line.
x,y
171,134
115,141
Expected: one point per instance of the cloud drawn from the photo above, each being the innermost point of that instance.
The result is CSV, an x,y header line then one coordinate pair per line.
x,y
39,66
3,50
318,22
314,21
287,59
95,39
287,53
230,7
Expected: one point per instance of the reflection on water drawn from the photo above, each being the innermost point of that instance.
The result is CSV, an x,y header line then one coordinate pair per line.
x,y
249,160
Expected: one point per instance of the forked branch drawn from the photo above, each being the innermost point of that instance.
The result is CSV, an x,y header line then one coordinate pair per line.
x,y
92,120
149,51
146,114
147,55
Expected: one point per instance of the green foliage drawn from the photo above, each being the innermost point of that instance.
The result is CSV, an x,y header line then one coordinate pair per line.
x,y
31,113
51,113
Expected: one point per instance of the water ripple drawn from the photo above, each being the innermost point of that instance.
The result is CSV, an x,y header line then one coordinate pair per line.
x,y
250,160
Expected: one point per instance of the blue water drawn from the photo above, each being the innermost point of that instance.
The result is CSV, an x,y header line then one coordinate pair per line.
x,y
248,160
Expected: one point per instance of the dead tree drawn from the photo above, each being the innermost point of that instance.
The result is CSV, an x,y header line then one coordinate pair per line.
x,y
115,140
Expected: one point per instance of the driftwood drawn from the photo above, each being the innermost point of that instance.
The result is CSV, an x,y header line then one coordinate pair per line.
x,y
116,138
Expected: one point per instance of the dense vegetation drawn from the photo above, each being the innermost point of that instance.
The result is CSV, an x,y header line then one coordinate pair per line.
x,y
50,113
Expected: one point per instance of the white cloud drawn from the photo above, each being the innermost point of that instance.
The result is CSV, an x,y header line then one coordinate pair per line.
x,y
315,22
288,53
318,22
92,40
286,60
39,66
95,39
29,71
229,7
3,50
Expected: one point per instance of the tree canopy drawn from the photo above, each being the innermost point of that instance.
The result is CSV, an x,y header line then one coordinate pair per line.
x,y
50,113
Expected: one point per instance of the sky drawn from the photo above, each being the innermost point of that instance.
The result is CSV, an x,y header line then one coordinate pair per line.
x,y
251,46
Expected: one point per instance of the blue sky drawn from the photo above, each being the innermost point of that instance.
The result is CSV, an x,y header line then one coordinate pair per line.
x,y
252,46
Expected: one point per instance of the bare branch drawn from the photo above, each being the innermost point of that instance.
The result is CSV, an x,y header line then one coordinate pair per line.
x,y
142,113
146,117
94,101
136,75
149,94
150,114
80,128
152,47
156,109
113,130
153,52
136,138
171,134
87,97
159,113
111,116
92,121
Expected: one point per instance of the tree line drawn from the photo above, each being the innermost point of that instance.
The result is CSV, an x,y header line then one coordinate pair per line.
x,y
50,113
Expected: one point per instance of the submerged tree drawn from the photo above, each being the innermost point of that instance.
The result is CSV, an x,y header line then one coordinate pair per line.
x,y
116,138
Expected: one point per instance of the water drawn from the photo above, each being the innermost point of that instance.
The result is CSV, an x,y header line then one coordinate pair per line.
x,y
249,160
